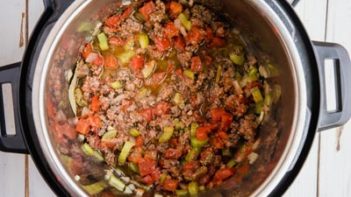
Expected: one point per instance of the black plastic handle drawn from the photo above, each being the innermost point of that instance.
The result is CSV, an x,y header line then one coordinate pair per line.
x,y
343,84
11,143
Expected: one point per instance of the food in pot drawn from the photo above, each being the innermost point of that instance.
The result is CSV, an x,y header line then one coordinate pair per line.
x,y
168,98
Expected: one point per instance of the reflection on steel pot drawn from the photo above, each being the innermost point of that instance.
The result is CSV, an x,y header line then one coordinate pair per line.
x,y
268,25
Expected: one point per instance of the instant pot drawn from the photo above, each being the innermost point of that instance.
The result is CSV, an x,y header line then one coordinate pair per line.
x,y
270,25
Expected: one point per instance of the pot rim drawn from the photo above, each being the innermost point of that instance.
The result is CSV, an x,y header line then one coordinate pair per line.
x,y
288,157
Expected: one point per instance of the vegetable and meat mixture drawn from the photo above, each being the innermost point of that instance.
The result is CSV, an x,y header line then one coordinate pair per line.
x,y
170,98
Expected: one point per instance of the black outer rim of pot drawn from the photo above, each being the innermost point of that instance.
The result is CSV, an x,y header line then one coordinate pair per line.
x,y
38,37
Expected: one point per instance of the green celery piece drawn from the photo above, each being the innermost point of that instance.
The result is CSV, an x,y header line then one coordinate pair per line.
x,y
127,147
103,41
166,135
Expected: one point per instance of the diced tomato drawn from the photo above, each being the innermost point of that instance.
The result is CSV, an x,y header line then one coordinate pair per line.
x,y
115,20
173,153
109,143
136,155
223,174
226,121
147,114
170,185
191,165
217,42
217,143
223,135
162,44
219,114
171,30
95,104
179,73
147,9
83,126
196,64
99,60
111,61
157,78
95,121
195,35
139,141
137,63
88,48
202,134
208,60
209,34
148,180
162,108
117,41
146,166
175,8
179,43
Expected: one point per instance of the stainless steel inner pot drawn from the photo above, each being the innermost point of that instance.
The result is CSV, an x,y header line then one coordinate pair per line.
x,y
260,25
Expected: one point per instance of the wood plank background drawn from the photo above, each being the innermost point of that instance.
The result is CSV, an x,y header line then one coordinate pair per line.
x,y
327,171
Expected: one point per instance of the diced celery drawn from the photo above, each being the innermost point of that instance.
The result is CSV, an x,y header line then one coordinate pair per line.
x,y
273,70
190,74
143,40
129,46
185,21
134,132
195,143
192,154
256,95
103,42
88,150
116,183
268,100
237,59
127,147
259,107
226,152
110,134
116,85
193,129
78,94
125,57
143,92
178,99
193,188
231,163
163,177
219,74
133,167
166,135
181,193
95,188
178,124
149,68
85,27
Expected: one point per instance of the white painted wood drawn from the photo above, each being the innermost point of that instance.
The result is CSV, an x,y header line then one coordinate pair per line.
x,y
11,165
313,15
335,165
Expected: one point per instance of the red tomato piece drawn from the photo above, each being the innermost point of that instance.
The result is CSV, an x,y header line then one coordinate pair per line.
x,y
116,20
117,41
209,34
162,108
202,134
170,185
148,180
196,64
111,61
171,30
137,63
173,153
217,42
136,155
175,8
147,114
88,48
223,174
146,166
83,126
139,141
162,44
195,35
95,104
179,43
147,9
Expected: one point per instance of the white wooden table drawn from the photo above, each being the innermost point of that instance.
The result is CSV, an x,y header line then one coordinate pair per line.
x,y
327,171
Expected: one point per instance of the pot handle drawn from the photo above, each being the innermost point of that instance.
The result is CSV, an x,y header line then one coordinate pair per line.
x,y
342,65
11,143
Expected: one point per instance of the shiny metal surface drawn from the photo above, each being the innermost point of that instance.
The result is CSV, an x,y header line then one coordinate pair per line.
x,y
271,34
